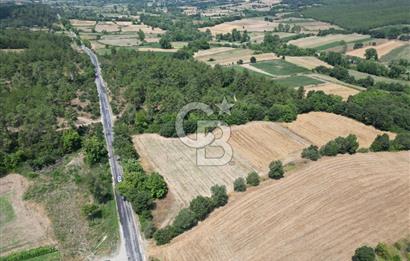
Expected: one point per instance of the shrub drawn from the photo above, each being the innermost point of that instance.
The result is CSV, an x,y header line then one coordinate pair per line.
x,y
253,179
382,251
330,149
156,185
311,152
201,206
279,112
164,235
276,170
401,142
380,143
253,59
239,185
348,144
184,220
94,150
141,200
71,140
149,229
364,253
91,211
219,196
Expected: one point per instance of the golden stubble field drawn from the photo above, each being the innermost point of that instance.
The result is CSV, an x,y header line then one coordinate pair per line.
x,y
382,49
317,41
323,211
333,88
254,145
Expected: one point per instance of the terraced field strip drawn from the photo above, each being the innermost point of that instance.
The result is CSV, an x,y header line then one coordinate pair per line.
x,y
382,49
279,67
308,62
317,41
323,211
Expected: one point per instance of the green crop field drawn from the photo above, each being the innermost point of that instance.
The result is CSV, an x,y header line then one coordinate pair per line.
x,y
363,14
296,81
402,52
279,67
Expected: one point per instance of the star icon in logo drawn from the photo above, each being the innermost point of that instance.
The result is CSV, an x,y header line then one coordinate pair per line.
x,y
224,107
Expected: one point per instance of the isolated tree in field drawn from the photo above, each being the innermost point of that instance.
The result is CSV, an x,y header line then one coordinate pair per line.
x,y
253,59
253,179
240,61
71,140
201,206
94,149
276,170
364,253
165,43
311,152
239,185
219,196
371,54
156,185
184,220
357,45
141,35
380,143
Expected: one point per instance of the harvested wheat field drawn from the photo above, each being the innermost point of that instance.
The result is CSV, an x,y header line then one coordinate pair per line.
x,y
107,26
333,88
79,23
254,146
228,55
249,24
317,41
382,49
27,225
321,127
308,62
323,211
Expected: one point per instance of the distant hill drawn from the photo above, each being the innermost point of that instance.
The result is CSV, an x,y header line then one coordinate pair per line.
x,y
361,15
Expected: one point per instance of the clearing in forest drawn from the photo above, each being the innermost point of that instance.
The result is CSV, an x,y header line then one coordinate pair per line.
x,y
333,88
23,224
229,56
323,211
279,67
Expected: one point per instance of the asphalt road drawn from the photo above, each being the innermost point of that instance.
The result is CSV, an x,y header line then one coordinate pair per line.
x,y
129,229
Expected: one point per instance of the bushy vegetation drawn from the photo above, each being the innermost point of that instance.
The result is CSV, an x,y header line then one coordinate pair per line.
x,y
28,254
239,185
311,152
36,89
383,143
199,208
253,179
276,170
340,145
364,253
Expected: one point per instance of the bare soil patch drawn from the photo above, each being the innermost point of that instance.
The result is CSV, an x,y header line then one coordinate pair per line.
x,y
321,127
381,49
322,212
333,88
31,227
80,23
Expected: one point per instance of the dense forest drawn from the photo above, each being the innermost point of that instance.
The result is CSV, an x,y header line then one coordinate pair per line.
x,y
38,83
27,15
156,86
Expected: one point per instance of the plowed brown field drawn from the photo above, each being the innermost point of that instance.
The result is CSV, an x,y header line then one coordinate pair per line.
x,y
321,212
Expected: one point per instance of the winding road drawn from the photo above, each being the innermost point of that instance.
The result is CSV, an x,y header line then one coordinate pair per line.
x,y
130,234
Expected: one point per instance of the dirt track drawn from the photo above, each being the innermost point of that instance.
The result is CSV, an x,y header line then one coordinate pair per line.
x,y
321,212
